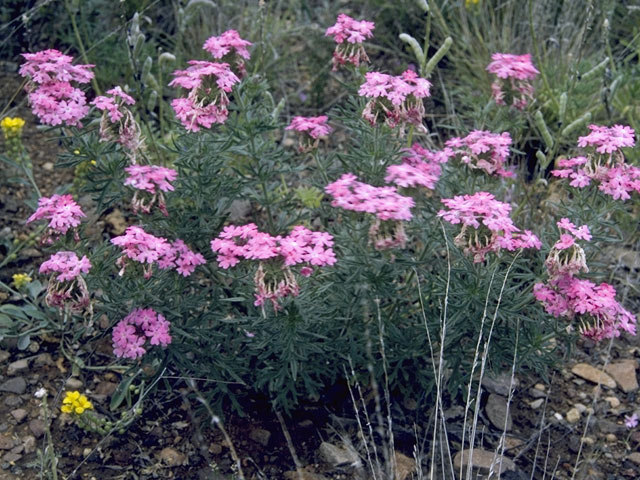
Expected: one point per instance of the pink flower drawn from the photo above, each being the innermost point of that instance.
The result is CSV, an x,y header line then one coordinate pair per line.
x,y
420,167
226,43
302,246
397,99
207,101
131,333
515,73
138,245
607,166
312,129
74,294
118,123
486,225
483,150
631,421
349,35
153,180
61,211
53,99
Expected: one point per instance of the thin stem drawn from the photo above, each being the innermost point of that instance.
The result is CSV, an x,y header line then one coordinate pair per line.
x,y
83,52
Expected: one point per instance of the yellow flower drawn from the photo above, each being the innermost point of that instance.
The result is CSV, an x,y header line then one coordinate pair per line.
x,y
12,126
21,279
74,402
468,3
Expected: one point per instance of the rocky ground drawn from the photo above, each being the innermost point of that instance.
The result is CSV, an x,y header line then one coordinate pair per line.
x,y
569,426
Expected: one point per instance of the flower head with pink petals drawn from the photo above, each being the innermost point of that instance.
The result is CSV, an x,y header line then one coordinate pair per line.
x,y
274,278
153,180
131,333
311,130
68,288
483,150
606,166
52,97
514,76
395,100
419,168
349,35
63,213
230,48
486,225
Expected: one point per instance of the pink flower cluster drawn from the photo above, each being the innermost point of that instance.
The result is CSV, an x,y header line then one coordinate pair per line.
x,y
153,180
565,295
486,225
53,99
229,44
349,35
389,207
483,150
63,214
274,279
207,100
312,129
420,168
148,249
115,115
132,332
384,202
606,166
515,73
69,269
397,99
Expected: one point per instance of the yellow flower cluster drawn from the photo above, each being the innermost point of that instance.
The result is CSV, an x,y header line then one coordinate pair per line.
x,y
21,279
469,3
74,402
12,127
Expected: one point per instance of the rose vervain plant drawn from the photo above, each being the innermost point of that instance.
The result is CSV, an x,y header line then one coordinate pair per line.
x,y
276,298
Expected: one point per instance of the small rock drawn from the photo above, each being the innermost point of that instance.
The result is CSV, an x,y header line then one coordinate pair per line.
x,y
483,460
43,359
405,466
589,441
215,448
634,457
574,443
498,412
19,414
573,415
536,403
624,373
261,436
7,442
11,457
12,401
74,384
172,457
594,375
4,356
29,444
580,407
499,384
37,427
557,416
48,166
30,253
17,366
117,222
512,443
610,437
540,386
15,385
613,402
106,388
338,457
535,393
606,426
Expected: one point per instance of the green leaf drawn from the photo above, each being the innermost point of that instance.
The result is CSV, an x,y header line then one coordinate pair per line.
x,y
23,342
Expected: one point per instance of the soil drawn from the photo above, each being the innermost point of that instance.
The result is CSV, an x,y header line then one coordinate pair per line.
x,y
175,437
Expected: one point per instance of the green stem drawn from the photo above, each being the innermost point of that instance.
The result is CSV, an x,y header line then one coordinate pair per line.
x,y
83,52
543,74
